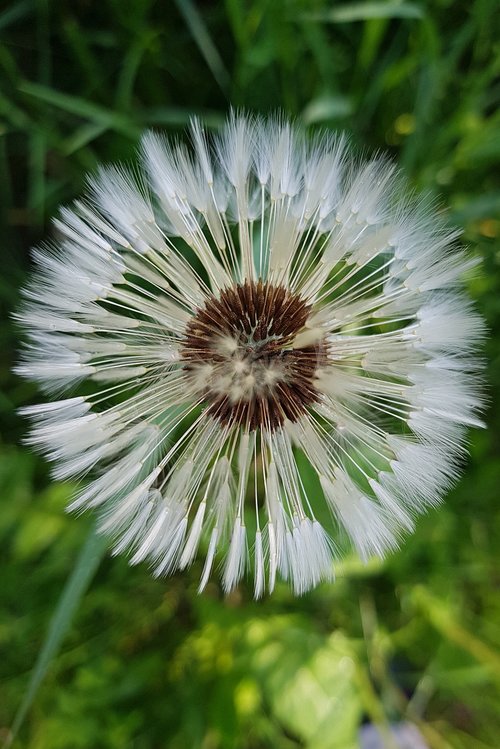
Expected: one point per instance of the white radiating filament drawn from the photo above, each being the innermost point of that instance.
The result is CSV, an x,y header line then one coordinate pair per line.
x,y
371,393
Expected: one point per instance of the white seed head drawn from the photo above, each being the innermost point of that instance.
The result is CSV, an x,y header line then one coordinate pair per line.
x,y
317,312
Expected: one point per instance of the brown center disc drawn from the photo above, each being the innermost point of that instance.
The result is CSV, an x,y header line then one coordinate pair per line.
x,y
239,355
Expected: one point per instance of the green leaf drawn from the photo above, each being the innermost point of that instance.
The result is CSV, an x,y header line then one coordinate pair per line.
x,y
310,683
76,585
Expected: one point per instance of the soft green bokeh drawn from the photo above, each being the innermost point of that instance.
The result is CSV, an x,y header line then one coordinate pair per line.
x,y
148,663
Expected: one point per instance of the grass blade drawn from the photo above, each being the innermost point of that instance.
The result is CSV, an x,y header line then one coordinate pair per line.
x,y
15,12
205,44
76,585
365,11
81,108
443,620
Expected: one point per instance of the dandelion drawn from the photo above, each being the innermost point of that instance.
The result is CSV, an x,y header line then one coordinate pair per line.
x,y
235,315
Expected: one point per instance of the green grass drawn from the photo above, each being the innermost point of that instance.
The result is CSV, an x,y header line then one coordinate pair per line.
x,y
147,664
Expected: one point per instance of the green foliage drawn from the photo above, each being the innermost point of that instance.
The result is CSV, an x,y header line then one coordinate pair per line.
x,y
147,663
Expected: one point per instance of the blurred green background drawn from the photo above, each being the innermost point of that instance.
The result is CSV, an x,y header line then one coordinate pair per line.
x,y
147,664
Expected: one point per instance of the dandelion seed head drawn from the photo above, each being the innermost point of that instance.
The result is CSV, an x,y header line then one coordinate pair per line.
x,y
239,354
233,308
